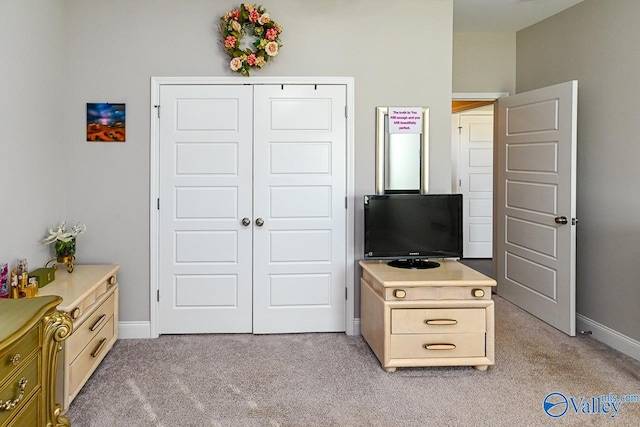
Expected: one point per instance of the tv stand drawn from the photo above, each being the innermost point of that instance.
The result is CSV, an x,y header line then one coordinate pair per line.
x,y
420,264
437,317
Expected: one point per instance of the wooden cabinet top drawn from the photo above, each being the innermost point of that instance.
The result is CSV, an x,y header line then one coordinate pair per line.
x,y
19,315
76,286
450,273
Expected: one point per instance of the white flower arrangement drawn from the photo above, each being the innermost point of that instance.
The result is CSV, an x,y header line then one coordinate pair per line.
x,y
65,241
61,234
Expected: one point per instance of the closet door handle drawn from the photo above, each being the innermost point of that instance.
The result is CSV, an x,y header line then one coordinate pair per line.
x,y
561,220
246,222
259,222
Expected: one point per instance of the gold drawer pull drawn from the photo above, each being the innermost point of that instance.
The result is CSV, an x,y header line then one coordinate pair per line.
x,y
441,322
98,322
440,346
75,313
10,404
15,359
399,293
112,280
99,348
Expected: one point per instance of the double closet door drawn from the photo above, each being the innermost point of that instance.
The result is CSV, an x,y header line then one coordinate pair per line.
x,y
252,217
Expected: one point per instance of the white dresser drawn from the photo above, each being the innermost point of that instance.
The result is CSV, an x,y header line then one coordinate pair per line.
x,y
90,297
433,317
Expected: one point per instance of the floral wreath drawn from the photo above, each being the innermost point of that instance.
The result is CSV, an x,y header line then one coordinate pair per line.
x,y
249,20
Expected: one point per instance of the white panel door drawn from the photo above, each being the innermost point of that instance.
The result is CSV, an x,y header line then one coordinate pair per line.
x,y
299,208
205,191
476,184
536,203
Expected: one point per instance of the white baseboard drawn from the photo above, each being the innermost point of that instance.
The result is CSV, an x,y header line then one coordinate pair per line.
x,y
134,330
356,326
140,330
612,338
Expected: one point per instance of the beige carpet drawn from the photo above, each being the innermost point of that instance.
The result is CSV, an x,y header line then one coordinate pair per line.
x,y
335,380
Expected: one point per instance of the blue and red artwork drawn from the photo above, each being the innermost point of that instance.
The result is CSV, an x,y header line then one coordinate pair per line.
x,y
105,122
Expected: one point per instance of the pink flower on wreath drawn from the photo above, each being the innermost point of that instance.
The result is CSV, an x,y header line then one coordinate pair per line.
x,y
230,41
251,59
271,34
234,14
254,16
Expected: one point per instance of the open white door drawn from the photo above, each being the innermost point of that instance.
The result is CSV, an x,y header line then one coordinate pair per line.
x,y
536,202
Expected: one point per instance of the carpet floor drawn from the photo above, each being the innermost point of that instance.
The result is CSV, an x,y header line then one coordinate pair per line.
x,y
335,380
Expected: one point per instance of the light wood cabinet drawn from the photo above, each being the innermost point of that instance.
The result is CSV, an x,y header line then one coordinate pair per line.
x,y
433,317
31,331
90,297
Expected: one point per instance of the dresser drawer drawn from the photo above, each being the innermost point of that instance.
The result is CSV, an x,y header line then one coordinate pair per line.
x,y
15,357
90,356
437,320
437,293
90,327
441,345
12,389
30,415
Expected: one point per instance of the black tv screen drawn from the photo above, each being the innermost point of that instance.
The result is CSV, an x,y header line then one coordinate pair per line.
x,y
413,226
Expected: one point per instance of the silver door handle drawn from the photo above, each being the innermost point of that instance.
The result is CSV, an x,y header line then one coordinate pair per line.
x,y
246,221
259,222
561,220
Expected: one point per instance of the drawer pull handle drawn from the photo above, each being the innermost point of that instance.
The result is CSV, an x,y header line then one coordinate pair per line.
x,y
440,346
98,322
10,404
399,293
75,313
112,280
441,322
15,359
99,348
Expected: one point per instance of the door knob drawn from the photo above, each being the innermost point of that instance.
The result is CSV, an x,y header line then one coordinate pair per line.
x,y
246,221
561,220
259,222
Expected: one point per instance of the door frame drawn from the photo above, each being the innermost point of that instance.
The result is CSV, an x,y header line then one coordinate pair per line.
x,y
154,177
482,96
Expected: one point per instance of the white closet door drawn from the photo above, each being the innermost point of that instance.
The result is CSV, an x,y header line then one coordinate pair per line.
x,y
205,192
299,193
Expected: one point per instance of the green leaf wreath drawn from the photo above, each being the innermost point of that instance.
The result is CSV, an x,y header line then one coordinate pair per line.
x,y
252,20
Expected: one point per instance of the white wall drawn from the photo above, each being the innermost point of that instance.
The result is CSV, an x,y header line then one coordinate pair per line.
x,y
484,62
400,53
595,42
33,165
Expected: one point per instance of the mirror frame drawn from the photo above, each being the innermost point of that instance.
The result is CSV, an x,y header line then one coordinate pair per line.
x,y
381,113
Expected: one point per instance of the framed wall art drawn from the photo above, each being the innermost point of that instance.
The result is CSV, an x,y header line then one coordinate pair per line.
x,y
106,122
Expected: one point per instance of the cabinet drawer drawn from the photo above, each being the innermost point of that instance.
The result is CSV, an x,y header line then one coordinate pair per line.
x,y
11,390
30,415
15,357
443,345
437,293
438,320
90,356
89,328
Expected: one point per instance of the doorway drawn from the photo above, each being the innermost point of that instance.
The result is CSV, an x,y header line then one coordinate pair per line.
x,y
472,158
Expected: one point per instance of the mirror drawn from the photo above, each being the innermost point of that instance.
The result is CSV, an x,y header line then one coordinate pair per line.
x,y
402,155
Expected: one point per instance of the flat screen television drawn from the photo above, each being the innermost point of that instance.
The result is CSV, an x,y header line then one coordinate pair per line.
x,y
408,229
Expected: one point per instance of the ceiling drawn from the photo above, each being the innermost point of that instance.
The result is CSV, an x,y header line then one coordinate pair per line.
x,y
503,15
